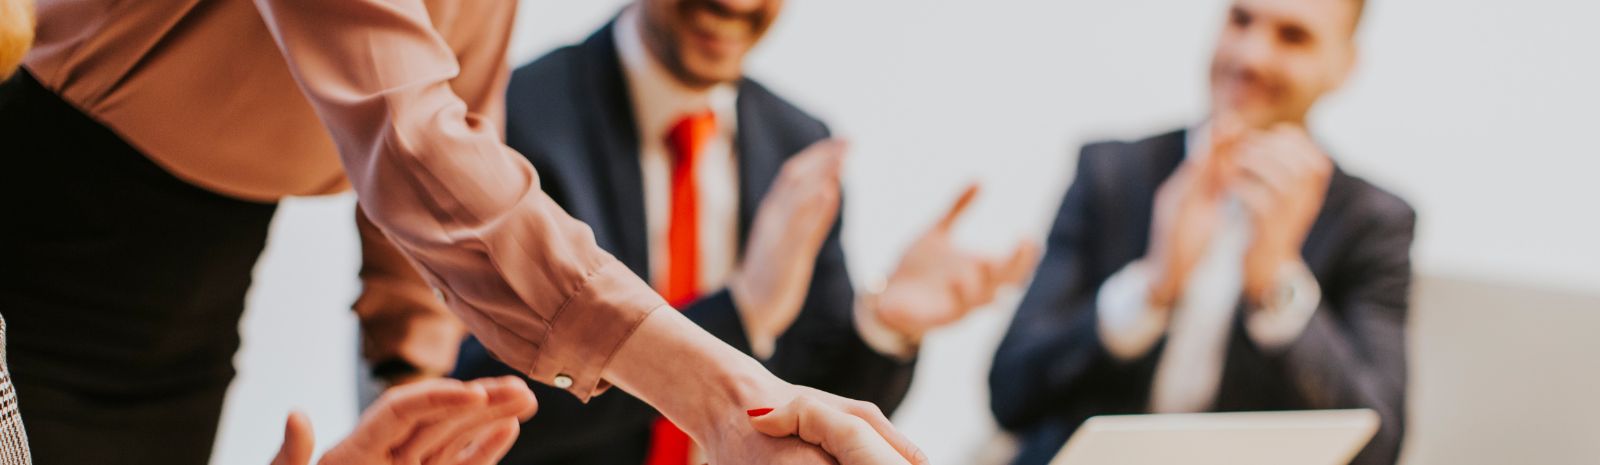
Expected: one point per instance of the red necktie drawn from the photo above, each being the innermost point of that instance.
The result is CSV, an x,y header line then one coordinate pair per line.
x,y
686,141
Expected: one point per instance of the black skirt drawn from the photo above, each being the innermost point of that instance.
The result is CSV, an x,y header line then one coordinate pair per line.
x,y
122,286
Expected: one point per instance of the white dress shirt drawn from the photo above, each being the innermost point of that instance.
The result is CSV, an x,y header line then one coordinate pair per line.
x,y
1199,326
660,101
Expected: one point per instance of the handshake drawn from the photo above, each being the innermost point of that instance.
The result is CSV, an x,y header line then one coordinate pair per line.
x,y
743,415
449,422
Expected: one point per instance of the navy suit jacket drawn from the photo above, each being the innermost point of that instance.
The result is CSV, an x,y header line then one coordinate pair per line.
x,y
570,114
1052,372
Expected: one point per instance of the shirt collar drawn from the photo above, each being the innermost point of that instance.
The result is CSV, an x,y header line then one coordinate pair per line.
x,y
659,99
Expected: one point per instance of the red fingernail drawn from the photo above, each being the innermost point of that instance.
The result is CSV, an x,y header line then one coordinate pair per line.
x,y
758,412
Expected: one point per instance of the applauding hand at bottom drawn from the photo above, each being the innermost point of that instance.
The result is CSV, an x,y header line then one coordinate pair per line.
x,y
435,422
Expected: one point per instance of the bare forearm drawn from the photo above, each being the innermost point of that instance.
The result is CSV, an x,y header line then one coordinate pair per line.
x,y
696,380
710,390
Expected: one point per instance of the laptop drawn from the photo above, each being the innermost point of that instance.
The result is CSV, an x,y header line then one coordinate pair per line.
x,y
1324,437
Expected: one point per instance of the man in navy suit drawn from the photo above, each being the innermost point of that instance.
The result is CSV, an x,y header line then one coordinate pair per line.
x,y
726,198
1230,267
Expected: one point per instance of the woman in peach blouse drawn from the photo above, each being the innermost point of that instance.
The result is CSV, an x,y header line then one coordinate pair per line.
x,y
148,145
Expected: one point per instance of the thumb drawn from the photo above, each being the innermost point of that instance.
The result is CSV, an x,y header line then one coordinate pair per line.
x,y
1226,129
837,150
822,158
778,425
948,221
849,439
1228,137
1021,263
297,441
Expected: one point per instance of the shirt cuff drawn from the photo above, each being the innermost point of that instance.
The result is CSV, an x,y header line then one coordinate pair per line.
x,y
404,322
1128,326
882,339
1285,311
590,328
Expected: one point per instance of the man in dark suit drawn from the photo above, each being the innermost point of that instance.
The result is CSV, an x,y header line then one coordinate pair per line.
x,y
1232,267
726,198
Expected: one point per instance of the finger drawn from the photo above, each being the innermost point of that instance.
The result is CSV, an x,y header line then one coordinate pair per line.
x,y
833,163
967,282
777,422
884,428
1291,130
959,207
1213,171
516,396
508,398
298,441
814,173
1311,157
1002,272
403,409
485,445
823,166
880,424
1178,186
1289,150
1266,178
1226,135
1291,154
1310,167
834,146
1273,174
1226,129
817,158
1256,197
1023,258
847,437
424,442
827,197
988,273
1294,139
814,220
493,445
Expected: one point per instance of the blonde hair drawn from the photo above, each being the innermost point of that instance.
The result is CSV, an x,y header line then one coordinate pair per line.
x,y
16,33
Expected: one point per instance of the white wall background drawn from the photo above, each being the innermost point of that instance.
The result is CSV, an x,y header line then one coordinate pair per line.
x,y
1481,113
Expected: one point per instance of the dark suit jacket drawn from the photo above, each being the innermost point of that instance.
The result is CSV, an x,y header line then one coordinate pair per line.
x,y
1052,372
570,114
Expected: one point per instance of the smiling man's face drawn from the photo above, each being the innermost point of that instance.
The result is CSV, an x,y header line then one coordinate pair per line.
x,y
1275,58
704,42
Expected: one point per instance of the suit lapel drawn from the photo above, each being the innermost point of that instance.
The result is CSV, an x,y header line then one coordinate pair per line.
x,y
1160,160
1319,250
608,110
758,156
1167,152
